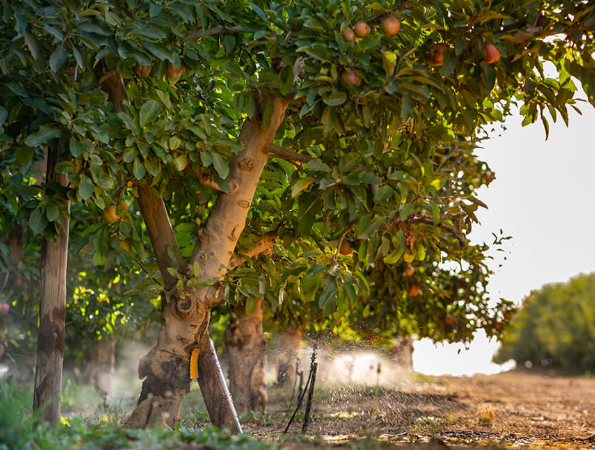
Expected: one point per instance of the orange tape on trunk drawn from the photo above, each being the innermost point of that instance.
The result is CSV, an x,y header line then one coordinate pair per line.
x,y
194,364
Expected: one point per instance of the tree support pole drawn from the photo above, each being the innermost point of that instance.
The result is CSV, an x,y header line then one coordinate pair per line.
x,y
52,310
214,388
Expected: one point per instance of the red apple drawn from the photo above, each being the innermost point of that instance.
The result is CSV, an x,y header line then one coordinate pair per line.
x,y
348,35
390,26
350,78
361,29
492,54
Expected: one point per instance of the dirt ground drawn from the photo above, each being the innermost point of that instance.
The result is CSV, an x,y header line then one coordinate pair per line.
x,y
508,410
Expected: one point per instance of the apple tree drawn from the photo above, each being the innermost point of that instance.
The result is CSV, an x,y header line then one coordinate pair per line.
x,y
238,127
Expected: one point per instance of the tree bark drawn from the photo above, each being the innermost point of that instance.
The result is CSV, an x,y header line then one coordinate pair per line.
x,y
246,344
52,311
289,347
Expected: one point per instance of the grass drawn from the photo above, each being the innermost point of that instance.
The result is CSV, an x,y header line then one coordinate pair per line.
x,y
21,430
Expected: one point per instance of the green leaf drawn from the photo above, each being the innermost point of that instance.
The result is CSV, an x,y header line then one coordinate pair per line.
x,y
138,169
37,221
372,227
350,293
335,99
53,212
32,44
450,61
58,58
220,165
406,211
18,89
383,194
300,185
85,187
76,147
406,106
129,154
24,155
258,11
317,165
329,289
149,112
196,269
394,256
43,135
64,167
286,80
3,115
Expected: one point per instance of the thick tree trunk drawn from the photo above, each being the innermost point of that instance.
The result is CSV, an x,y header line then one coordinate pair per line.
x,y
52,312
246,344
186,312
289,347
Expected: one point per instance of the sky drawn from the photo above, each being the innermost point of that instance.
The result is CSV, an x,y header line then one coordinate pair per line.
x,y
543,196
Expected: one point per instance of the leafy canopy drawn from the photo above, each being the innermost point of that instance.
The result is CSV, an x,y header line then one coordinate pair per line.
x,y
385,163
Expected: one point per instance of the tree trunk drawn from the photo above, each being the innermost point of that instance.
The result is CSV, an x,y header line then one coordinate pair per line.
x,y
402,352
101,362
289,346
246,344
52,311
186,311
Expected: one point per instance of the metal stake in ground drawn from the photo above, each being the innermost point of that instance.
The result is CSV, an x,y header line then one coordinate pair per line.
x,y
310,395
301,397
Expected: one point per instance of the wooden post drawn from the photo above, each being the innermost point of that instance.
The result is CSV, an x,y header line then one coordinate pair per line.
x,y
52,311
214,388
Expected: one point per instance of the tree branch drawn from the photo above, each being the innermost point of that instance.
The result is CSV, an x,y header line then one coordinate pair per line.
x,y
161,234
262,247
427,220
204,179
286,154
447,228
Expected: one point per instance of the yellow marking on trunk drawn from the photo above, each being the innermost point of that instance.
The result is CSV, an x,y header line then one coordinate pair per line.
x,y
194,364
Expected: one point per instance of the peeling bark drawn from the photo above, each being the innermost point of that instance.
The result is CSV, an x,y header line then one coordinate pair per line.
x,y
246,344
289,347
52,312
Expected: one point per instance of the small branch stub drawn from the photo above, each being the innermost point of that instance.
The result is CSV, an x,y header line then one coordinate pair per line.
x,y
286,154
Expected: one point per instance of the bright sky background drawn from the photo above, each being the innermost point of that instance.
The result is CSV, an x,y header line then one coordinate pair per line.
x,y
544,197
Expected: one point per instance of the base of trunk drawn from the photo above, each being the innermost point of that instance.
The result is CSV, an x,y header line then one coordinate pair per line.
x,y
166,383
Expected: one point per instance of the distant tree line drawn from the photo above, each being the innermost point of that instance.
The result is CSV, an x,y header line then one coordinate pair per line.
x,y
555,328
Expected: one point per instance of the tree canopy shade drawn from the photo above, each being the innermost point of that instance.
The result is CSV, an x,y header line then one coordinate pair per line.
x,y
267,130
554,328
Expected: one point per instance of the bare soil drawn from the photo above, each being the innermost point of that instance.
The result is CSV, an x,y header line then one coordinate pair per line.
x,y
508,410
